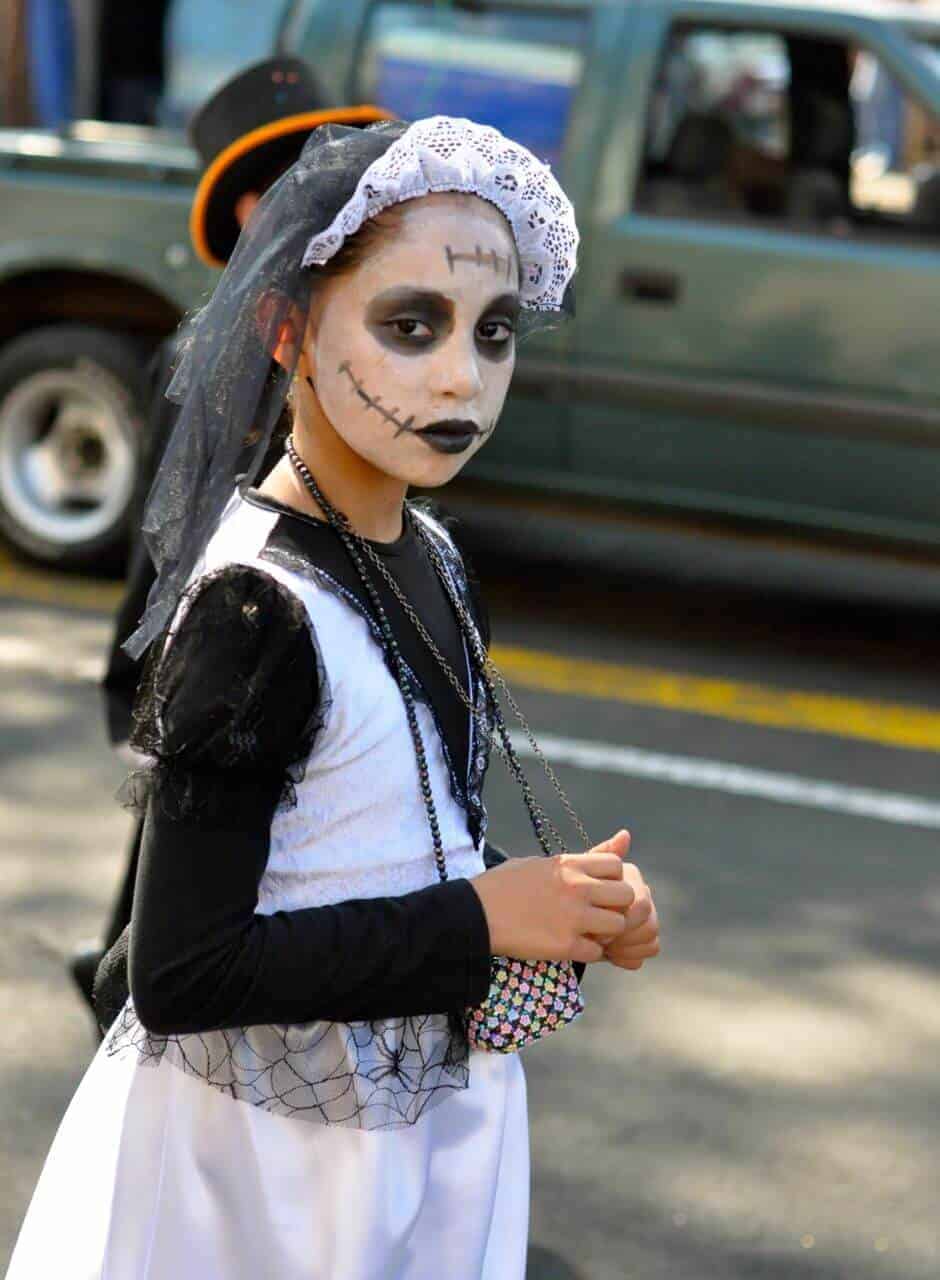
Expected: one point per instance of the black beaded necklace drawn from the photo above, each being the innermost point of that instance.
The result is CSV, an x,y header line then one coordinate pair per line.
x,y
358,550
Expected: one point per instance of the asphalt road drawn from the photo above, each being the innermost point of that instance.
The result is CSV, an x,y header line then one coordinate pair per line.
x,y
761,1100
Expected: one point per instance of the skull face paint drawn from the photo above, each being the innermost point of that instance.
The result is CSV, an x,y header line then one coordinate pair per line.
x,y
408,357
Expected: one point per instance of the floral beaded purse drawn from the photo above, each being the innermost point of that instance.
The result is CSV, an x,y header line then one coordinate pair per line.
x,y
527,999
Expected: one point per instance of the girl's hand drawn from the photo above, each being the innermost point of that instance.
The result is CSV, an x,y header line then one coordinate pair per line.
x,y
639,940
566,907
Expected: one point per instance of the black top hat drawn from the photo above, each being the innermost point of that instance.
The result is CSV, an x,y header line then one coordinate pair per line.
x,y
247,134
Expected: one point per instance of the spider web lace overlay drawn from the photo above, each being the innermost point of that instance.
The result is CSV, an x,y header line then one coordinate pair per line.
x,y
363,1075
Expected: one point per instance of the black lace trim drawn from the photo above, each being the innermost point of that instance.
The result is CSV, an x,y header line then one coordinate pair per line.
x,y
231,699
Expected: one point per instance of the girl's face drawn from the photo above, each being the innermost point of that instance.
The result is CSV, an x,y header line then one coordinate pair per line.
x,y
409,356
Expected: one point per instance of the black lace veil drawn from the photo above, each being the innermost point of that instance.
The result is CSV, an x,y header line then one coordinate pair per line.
x,y
230,390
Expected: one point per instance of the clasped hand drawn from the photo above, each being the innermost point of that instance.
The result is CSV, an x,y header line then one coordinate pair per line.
x,y
584,907
639,940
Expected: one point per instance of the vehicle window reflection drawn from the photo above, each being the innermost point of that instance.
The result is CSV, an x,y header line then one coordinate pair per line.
x,y
511,68
895,179
799,132
719,126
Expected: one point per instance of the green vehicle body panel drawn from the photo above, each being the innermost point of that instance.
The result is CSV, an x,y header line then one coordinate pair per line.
x,y
795,379
119,206
139,263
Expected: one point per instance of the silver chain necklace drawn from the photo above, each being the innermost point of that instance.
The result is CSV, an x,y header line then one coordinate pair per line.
x,y
491,677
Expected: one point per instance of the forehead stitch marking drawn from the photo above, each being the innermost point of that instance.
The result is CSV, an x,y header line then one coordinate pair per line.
x,y
480,258
375,402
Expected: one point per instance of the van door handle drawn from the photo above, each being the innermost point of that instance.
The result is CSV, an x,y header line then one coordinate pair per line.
x,y
650,286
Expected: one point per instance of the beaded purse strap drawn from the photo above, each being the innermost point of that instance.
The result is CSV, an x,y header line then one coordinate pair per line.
x,y
357,548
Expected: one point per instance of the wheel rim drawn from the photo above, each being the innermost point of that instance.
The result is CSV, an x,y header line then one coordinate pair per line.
x,y
67,458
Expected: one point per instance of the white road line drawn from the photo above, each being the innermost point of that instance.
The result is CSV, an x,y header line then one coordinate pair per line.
x,y
716,775
26,656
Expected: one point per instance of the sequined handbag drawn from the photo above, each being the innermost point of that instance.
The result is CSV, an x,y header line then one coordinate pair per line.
x,y
527,999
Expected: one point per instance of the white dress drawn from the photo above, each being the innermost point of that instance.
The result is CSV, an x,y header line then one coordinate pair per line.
x,y
295,1152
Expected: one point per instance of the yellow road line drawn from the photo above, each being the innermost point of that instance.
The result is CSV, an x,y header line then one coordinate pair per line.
x,y
45,586
890,724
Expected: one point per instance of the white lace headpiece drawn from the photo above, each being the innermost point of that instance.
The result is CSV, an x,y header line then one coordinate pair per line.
x,y
444,153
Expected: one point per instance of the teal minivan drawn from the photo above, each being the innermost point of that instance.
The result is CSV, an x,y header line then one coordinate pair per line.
x,y
758,190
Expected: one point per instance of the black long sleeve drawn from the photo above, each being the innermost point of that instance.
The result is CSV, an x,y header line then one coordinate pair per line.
x,y
239,701
202,958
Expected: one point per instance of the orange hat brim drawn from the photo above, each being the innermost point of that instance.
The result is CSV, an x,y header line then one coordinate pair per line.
x,y
253,142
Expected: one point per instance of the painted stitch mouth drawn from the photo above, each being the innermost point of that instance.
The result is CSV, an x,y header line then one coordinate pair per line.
x,y
450,435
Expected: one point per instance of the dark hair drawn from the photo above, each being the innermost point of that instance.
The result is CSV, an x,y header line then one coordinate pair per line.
x,y
356,248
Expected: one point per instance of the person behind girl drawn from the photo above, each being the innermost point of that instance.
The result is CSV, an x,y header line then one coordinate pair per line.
x,y
313,1075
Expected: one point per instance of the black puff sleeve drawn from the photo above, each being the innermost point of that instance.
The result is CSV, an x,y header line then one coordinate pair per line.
x,y
230,712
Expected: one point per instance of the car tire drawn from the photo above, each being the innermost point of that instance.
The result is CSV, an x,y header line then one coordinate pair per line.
x,y
73,404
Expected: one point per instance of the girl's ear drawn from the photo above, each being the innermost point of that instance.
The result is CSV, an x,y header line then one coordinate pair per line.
x,y
281,326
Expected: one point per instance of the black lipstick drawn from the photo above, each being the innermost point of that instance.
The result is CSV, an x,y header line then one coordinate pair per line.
x,y
450,435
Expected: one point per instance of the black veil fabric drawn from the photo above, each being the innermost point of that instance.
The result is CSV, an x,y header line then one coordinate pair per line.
x,y
230,389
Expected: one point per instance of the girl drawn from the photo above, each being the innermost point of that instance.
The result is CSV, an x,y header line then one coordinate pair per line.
x,y
313,1076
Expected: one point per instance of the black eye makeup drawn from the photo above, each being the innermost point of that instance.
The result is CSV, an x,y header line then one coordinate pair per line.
x,y
496,328
408,321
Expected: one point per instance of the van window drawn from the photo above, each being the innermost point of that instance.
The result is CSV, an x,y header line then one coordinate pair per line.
x,y
719,126
207,42
514,70
793,130
896,162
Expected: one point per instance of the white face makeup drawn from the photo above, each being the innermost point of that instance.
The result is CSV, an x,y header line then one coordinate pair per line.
x,y
410,355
